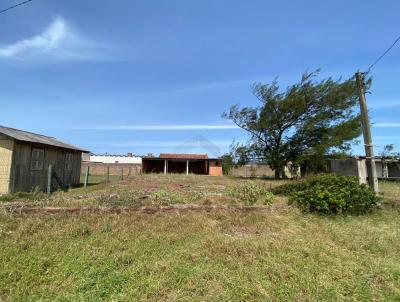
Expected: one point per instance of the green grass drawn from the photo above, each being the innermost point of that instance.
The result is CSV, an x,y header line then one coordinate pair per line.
x,y
390,190
279,255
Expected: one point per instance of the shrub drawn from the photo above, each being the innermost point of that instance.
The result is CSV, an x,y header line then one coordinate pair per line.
x,y
289,188
330,193
250,193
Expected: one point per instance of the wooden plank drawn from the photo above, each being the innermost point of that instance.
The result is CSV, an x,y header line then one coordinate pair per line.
x,y
49,178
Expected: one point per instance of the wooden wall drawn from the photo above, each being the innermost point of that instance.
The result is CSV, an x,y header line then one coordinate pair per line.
x,y
6,150
25,179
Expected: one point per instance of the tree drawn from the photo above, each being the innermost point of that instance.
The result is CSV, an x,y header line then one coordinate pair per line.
x,y
239,153
227,164
237,156
310,118
388,151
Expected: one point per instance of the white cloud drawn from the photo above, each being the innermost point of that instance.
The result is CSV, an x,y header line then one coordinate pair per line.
x,y
394,137
386,125
384,104
160,127
162,144
57,41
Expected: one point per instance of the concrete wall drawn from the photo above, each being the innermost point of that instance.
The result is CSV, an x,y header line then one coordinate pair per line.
x,y
6,152
114,169
252,171
379,169
258,170
350,167
357,167
112,159
393,168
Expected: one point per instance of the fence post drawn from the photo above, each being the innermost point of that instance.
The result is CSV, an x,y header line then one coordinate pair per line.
x,y
49,178
108,174
122,173
86,177
130,170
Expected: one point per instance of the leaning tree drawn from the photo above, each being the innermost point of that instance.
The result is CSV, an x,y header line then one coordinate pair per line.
x,y
310,118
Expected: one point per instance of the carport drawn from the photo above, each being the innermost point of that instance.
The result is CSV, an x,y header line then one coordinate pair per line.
x,y
182,164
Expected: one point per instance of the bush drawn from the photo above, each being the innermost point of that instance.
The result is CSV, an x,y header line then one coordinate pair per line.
x,y
289,188
250,193
330,193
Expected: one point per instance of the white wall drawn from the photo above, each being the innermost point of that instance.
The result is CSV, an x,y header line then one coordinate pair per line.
x,y
121,159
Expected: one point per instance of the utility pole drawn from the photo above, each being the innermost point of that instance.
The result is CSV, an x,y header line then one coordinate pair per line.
x,y
366,127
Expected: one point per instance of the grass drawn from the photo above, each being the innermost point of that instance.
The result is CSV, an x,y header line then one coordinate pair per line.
x,y
391,192
142,190
279,255
97,179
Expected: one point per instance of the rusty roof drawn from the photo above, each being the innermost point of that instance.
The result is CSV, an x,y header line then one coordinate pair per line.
x,y
183,156
31,137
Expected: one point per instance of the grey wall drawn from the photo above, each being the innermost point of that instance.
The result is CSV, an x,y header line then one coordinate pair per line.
x,y
357,167
349,167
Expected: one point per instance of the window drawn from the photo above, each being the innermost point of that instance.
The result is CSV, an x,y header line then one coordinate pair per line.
x,y
37,159
216,163
68,161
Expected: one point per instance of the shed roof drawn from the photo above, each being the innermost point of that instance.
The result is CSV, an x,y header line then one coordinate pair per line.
x,y
173,156
185,156
30,137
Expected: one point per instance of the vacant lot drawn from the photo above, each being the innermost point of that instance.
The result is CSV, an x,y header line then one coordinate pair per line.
x,y
149,190
276,254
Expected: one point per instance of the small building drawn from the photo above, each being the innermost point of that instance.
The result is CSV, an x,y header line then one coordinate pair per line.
x,y
129,158
25,158
182,163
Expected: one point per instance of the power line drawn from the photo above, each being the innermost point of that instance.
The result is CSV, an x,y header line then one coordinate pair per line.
x,y
379,58
14,6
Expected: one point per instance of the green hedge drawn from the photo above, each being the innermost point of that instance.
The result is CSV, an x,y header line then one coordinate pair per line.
x,y
330,193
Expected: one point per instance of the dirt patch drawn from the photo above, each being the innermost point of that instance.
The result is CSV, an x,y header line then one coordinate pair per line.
x,y
18,208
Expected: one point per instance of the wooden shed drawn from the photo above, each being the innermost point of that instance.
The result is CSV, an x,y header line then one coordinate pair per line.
x,y
25,158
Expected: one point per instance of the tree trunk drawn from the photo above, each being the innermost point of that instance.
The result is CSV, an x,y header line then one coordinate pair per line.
x,y
279,172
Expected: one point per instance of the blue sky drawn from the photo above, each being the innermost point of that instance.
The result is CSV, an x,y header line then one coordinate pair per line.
x,y
155,76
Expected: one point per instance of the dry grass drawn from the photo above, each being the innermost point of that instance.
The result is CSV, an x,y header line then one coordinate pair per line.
x,y
283,255
150,190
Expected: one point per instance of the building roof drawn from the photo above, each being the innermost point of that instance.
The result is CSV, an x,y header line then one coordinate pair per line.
x,y
172,156
30,137
116,155
376,157
183,156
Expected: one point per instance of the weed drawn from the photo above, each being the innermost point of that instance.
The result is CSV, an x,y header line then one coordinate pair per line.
x,y
250,193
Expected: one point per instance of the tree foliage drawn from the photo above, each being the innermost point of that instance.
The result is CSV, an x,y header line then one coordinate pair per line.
x,y
310,118
238,156
388,150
